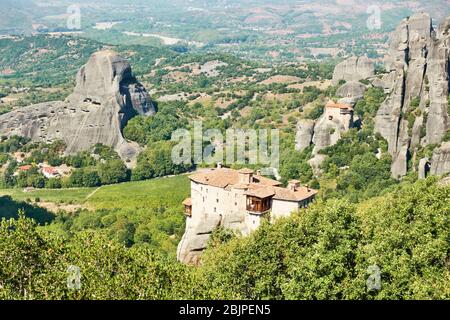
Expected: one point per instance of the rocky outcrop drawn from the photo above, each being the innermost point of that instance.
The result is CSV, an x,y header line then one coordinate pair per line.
x,y
337,117
325,131
352,90
417,66
316,162
440,161
305,132
106,96
195,238
424,168
438,83
385,82
353,69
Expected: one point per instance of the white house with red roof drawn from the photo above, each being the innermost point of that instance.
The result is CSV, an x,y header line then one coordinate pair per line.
x,y
235,199
50,172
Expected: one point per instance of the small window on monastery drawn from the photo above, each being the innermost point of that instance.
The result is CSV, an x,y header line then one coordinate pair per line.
x,y
215,210
217,200
235,203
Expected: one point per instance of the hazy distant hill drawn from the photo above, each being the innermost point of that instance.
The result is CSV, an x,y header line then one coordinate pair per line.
x,y
268,29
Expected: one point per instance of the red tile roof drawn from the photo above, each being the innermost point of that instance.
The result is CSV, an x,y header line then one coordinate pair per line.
x,y
50,170
332,104
300,194
224,177
260,187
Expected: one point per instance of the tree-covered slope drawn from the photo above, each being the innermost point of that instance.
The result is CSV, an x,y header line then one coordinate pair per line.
x,y
326,252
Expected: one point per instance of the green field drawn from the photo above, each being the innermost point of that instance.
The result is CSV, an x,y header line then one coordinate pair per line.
x,y
144,213
76,195
130,195
139,195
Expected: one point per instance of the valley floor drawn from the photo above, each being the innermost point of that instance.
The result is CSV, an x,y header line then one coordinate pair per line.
x,y
125,195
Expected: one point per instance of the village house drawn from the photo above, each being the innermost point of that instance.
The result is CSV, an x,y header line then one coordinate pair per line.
x,y
64,170
243,193
22,169
19,157
50,172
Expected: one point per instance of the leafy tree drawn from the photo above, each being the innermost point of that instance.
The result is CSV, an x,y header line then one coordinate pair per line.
x,y
35,265
325,252
113,171
315,113
76,178
54,183
156,128
156,161
91,179
369,106
406,234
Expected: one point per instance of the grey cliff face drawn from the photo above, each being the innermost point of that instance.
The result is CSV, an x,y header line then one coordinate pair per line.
x,y
305,132
424,168
353,69
323,132
386,82
198,231
418,75
352,90
327,130
440,161
106,96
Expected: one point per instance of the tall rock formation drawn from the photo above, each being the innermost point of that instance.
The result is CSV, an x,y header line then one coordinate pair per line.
x,y
106,96
337,117
418,67
353,69
326,131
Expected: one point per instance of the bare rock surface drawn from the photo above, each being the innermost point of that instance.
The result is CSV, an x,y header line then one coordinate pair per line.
x,y
353,90
353,69
199,229
424,167
106,96
418,79
440,162
305,132
323,132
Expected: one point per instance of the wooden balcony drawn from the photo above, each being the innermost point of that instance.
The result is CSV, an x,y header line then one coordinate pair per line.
x,y
258,206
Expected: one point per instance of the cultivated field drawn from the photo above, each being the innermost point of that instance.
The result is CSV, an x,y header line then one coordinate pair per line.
x,y
130,195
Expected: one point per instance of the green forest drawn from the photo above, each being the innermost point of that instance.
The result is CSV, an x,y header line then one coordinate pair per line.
x,y
321,253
